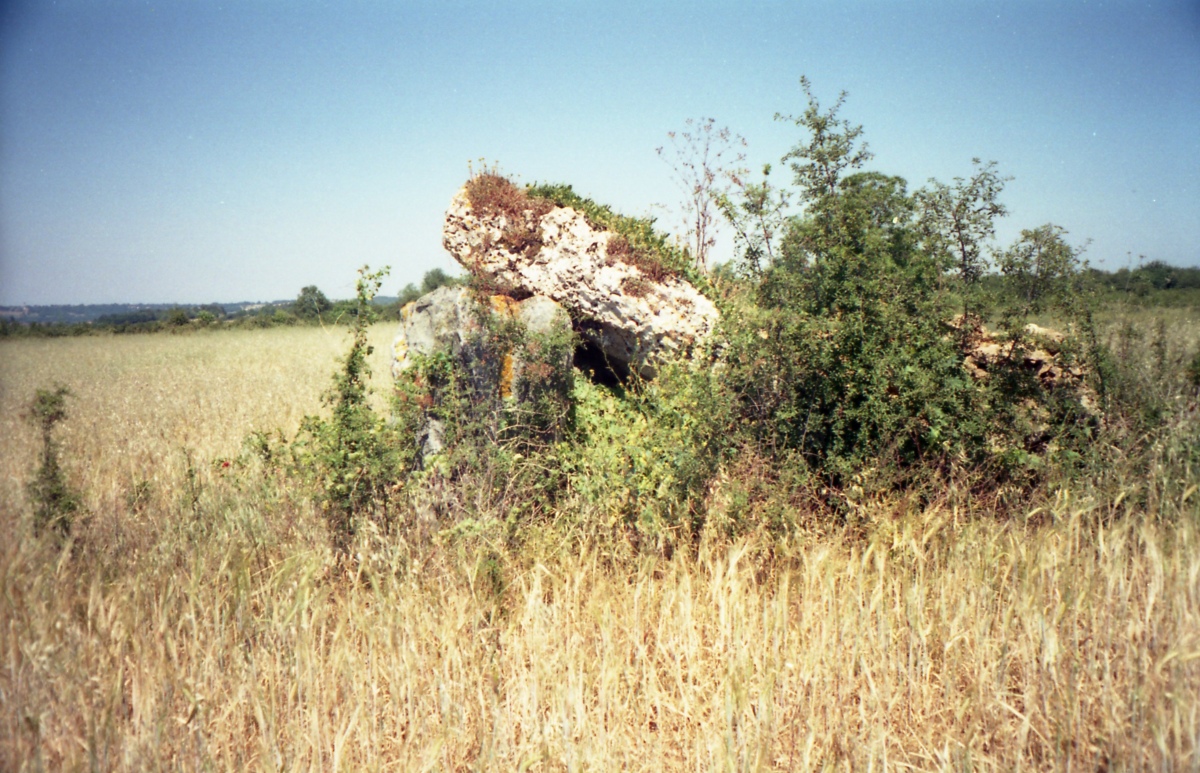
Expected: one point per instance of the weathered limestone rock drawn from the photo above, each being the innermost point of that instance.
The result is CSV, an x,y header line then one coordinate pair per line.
x,y
440,318
1039,355
449,320
633,319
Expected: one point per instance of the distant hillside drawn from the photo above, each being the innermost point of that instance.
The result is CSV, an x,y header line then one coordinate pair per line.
x,y
134,312
52,315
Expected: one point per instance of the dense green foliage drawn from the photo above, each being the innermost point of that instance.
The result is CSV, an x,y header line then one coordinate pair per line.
x,y
54,501
463,422
485,417
311,303
1155,275
846,351
354,455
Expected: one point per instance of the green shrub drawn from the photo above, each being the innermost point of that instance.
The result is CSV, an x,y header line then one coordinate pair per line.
x,y
356,457
639,458
847,352
54,502
311,304
176,318
846,357
281,317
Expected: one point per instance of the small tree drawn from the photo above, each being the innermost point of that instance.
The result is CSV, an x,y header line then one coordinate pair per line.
x,y
435,278
176,318
703,159
958,220
757,212
311,303
1039,268
408,294
832,147
843,359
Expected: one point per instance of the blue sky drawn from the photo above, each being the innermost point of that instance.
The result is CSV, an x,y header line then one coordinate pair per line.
x,y
193,151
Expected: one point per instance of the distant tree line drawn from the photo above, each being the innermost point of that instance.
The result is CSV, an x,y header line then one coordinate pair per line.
x,y
1153,284
1155,275
311,307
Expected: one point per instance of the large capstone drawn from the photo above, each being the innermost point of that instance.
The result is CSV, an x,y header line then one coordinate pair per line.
x,y
636,320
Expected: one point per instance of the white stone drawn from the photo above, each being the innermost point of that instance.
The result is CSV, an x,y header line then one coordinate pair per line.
x,y
572,268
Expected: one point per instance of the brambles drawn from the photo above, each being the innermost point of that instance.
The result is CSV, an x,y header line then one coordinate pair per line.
x,y
355,456
844,357
486,405
846,348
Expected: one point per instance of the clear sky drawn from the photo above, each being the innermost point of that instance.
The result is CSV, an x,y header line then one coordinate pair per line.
x,y
192,151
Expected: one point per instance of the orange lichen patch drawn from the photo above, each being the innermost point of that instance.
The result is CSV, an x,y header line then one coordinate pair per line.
x,y
502,304
506,376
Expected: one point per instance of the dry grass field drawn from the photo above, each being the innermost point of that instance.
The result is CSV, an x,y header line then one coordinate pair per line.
x,y
199,620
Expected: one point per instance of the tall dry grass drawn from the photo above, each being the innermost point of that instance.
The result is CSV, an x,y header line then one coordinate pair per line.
x,y
211,627
144,408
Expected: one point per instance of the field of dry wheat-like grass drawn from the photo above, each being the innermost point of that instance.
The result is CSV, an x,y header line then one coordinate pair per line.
x,y
200,620
140,406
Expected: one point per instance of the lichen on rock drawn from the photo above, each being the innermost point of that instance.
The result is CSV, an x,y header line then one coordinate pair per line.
x,y
513,360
